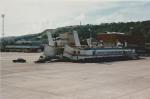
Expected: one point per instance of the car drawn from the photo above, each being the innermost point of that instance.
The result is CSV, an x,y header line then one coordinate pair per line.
x,y
19,60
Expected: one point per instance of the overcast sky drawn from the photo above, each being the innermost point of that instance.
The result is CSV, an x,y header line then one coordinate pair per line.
x,y
34,16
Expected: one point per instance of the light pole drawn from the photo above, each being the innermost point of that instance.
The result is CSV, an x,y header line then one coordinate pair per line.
x,y
90,43
3,32
3,26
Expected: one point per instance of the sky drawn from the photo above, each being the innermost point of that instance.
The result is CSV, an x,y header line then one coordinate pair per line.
x,y
34,16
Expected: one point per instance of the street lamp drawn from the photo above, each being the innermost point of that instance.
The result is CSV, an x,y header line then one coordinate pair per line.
x,y
3,32
90,43
3,29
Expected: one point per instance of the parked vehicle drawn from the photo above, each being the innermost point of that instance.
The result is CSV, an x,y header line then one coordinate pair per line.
x,y
19,60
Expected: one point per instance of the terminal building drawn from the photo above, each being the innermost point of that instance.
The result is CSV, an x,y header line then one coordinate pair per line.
x,y
25,46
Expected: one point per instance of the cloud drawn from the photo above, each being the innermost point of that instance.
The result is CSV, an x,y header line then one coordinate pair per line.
x,y
133,11
33,16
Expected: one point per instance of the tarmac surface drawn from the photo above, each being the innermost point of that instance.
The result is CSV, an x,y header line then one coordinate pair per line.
x,y
128,79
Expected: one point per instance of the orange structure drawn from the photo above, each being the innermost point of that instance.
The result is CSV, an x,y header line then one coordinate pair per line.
x,y
111,39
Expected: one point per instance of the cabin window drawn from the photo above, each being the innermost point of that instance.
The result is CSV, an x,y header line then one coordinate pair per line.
x,y
93,52
74,52
78,52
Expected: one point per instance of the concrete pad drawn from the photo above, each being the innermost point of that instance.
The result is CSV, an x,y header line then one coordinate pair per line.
x,y
63,80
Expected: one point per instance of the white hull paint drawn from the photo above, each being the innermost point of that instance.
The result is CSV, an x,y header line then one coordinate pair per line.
x,y
81,54
49,51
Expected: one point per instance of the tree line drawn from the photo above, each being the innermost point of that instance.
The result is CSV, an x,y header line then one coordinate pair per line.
x,y
130,28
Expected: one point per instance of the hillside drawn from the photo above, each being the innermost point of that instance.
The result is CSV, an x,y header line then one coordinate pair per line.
x,y
131,28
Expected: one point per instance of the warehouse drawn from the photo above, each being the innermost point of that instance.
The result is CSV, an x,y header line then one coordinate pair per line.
x,y
23,48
